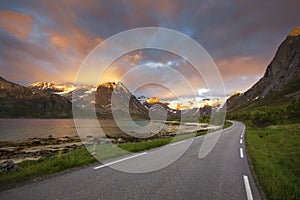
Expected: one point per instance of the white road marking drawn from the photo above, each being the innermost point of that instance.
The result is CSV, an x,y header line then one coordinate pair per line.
x,y
241,153
241,141
199,136
178,142
248,188
242,136
123,159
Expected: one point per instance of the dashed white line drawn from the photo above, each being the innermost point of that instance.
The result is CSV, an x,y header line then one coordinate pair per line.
x,y
127,158
241,153
242,136
243,131
177,143
241,141
248,188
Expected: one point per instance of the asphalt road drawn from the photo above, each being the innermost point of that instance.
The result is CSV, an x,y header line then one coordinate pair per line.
x,y
223,174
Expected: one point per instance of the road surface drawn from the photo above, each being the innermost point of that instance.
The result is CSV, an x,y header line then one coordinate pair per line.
x,y
223,174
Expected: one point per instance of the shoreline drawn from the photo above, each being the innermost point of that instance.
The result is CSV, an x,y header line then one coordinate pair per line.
x,y
37,147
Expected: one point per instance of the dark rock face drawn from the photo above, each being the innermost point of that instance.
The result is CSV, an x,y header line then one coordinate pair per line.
x,y
20,101
283,69
124,100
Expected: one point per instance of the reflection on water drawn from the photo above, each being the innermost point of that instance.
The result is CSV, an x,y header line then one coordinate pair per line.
x,y
21,129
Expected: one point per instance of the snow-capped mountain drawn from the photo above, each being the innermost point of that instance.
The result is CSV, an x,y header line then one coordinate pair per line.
x,y
90,98
83,97
52,87
124,100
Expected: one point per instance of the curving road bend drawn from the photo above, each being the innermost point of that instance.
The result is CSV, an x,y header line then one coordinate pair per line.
x,y
223,174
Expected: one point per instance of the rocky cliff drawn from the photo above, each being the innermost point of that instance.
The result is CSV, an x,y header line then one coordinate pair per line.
x,y
283,73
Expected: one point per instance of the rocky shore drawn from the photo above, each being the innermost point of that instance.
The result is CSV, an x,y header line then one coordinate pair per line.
x,y
35,148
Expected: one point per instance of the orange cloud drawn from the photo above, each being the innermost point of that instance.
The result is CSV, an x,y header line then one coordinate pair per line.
x,y
17,24
133,58
78,41
61,42
242,66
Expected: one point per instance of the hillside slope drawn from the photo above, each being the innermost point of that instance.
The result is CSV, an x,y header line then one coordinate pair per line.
x,y
281,81
20,101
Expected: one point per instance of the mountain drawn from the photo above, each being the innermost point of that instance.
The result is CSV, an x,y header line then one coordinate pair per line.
x,y
20,101
281,81
48,100
123,101
83,97
51,87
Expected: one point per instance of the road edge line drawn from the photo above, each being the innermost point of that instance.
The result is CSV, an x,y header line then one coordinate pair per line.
x,y
247,188
241,153
123,159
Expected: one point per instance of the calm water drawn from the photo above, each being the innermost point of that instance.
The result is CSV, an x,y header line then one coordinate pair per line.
x,y
20,129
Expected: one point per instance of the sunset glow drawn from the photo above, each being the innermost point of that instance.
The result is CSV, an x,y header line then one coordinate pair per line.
x,y
48,41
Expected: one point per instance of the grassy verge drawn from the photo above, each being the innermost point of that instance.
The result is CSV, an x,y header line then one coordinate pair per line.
x,y
275,154
227,124
34,169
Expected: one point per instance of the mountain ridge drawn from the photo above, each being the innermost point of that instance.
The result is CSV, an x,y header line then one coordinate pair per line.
x,y
51,87
281,73
20,101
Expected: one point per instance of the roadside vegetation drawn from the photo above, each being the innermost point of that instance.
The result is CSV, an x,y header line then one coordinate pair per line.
x,y
275,156
264,116
34,170
273,144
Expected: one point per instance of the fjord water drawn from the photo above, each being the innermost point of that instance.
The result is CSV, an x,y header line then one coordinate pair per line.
x,y
21,129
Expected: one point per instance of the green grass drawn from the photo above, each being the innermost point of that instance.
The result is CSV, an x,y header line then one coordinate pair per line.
x,y
227,124
81,157
275,154
45,166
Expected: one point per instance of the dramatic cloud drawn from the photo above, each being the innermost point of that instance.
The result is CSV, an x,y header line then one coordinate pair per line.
x,y
17,24
48,40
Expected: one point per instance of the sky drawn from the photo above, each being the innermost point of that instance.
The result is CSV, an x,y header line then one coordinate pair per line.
x,y
48,40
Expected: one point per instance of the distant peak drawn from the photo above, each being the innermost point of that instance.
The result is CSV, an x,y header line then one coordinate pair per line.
x,y
153,100
41,83
295,32
108,85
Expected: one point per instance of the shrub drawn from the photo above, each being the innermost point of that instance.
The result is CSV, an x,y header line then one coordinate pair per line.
x,y
293,110
260,118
